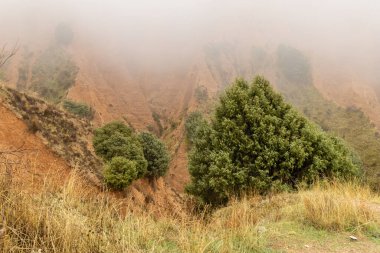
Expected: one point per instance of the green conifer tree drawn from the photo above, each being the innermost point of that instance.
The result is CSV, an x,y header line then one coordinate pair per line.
x,y
256,141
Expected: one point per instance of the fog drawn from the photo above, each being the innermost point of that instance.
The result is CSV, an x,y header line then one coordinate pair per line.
x,y
156,33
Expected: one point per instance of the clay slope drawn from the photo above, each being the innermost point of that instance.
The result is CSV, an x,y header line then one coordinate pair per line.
x,y
30,161
51,143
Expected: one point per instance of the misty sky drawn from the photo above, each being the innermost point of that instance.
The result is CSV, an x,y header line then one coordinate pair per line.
x,y
342,29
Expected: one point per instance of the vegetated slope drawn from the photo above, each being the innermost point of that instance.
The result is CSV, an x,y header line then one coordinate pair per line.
x,y
290,71
112,91
349,123
70,138
66,135
29,160
348,86
159,100
153,101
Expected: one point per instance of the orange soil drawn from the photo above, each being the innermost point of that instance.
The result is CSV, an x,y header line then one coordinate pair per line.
x,y
32,162
34,165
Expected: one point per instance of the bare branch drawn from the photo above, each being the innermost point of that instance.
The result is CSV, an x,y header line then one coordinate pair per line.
x,y
5,54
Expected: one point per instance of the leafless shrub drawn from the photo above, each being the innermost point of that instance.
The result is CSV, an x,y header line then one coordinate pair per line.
x,y
6,55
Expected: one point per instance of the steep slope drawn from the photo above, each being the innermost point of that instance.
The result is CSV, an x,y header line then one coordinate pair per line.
x,y
58,143
171,95
158,100
27,157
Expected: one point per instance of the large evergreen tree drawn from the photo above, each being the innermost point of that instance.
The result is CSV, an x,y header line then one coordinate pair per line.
x,y
256,141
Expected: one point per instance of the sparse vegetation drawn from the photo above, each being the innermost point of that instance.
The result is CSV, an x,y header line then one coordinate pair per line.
x,y
294,65
201,94
23,70
64,134
53,74
22,76
157,119
80,109
257,142
350,123
156,154
215,55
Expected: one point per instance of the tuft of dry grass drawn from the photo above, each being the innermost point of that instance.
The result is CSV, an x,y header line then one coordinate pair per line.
x,y
339,206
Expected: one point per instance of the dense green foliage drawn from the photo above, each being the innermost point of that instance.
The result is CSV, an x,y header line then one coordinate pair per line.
x,y
129,156
156,154
349,124
256,141
193,122
120,172
118,140
53,74
79,109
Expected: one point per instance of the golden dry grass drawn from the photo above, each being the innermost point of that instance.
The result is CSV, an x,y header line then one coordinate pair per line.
x,y
338,206
73,219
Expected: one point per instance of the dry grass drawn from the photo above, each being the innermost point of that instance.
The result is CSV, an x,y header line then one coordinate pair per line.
x,y
338,206
73,219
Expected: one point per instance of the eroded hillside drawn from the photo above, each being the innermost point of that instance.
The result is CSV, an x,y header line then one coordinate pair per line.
x,y
47,142
158,100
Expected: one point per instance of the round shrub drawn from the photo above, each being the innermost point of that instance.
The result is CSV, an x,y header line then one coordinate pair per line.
x,y
120,172
117,139
156,154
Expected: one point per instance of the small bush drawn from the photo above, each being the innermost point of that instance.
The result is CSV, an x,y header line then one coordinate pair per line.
x,y
157,119
79,109
156,154
201,94
120,172
117,140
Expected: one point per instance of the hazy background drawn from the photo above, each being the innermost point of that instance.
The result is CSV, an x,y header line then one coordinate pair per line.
x,y
154,33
